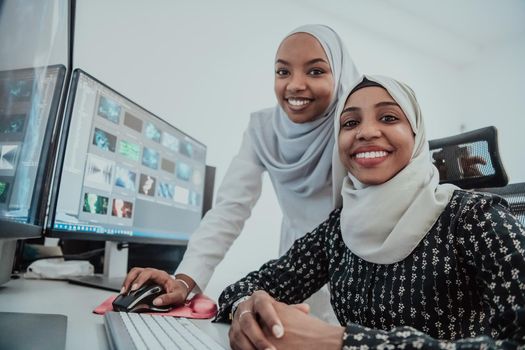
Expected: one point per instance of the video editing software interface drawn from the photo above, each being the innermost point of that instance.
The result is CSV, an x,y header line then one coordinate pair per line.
x,y
126,172
28,101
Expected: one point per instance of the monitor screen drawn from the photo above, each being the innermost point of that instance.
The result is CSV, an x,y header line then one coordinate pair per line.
x,y
29,101
124,174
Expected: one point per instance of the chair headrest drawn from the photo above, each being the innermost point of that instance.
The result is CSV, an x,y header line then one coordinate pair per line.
x,y
469,160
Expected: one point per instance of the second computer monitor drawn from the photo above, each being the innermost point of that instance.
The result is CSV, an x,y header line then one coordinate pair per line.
x,y
124,174
29,100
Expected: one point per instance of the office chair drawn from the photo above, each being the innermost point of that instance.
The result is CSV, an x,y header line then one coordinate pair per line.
x,y
514,194
469,160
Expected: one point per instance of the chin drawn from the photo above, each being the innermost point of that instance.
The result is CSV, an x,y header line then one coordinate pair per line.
x,y
300,119
373,180
305,116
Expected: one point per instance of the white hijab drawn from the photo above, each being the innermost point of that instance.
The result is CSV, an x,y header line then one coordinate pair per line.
x,y
383,224
297,155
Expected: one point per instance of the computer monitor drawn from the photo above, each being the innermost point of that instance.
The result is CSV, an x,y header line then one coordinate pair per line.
x,y
123,174
29,101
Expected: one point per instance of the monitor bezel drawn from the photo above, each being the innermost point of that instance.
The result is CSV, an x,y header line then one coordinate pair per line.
x,y
19,230
34,227
50,230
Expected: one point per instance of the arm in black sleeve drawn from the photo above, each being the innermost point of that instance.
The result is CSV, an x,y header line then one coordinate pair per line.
x,y
493,244
292,278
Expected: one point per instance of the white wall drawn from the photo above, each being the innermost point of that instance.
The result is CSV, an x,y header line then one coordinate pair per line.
x,y
33,33
493,94
205,65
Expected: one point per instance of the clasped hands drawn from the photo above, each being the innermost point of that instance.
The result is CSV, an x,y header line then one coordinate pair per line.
x,y
261,322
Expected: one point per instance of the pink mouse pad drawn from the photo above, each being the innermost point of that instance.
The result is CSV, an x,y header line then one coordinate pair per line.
x,y
200,306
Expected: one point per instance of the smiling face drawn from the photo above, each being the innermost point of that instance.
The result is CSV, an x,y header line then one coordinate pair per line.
x,y
375,138
304,84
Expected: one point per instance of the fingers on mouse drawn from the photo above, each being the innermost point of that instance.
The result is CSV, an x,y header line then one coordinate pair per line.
x,y
140,300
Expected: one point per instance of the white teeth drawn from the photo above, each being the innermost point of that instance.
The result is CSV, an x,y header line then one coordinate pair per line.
x,y
295,102
376,154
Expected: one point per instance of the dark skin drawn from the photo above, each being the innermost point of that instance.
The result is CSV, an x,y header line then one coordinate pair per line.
x,y
261,323
302,76
370,118
176,291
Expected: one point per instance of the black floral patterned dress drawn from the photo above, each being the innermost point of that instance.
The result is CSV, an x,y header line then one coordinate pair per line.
x,y
463,287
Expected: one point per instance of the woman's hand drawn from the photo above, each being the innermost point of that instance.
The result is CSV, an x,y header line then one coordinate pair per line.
x,y
302,331
251,317
176,291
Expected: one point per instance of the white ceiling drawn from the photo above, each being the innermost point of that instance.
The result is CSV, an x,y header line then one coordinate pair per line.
x,y
454,31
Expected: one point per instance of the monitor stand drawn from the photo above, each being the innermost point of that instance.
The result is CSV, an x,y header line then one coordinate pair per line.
x,y
115,270
7,256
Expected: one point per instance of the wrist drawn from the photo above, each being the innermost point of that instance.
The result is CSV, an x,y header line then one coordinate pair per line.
x,y
333,338
236,304
185,283
188,282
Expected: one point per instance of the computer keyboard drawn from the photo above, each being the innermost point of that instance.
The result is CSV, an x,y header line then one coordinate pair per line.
x,y
144,331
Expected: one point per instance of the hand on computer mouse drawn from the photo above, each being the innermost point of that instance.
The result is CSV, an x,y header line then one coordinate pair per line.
x,y
140,300
176,291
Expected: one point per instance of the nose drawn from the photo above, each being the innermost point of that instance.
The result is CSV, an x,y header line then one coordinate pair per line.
x,y
368,131
296,83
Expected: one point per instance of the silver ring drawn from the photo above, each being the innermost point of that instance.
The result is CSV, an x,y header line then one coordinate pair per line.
x,y
244,312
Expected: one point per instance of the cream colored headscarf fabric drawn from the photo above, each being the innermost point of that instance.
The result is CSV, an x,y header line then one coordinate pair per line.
x,y
383,224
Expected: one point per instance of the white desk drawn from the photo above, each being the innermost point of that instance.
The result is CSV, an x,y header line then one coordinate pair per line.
x,y
85,330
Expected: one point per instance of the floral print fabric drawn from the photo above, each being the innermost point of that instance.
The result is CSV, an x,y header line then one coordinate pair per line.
x,y
462,287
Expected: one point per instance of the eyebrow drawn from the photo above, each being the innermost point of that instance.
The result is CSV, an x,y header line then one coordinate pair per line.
x,y
379,104
387,103
315,60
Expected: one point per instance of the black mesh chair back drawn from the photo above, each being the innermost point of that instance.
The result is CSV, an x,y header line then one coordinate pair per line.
x,y
515,196
469,160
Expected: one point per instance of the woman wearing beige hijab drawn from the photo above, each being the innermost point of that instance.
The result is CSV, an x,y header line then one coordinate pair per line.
x,y
410,263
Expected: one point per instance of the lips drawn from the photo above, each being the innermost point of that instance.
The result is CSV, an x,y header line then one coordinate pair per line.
x,y
298,103
370,156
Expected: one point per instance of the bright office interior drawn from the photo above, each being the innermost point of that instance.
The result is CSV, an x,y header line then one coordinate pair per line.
x,y
205,65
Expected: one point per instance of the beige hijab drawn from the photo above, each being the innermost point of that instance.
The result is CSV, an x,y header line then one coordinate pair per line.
x,y
383,224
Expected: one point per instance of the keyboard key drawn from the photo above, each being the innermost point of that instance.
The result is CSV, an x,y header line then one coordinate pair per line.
x,y
145,334
135,336
156,332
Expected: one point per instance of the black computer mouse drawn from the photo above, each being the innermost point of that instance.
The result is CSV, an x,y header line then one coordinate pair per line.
x,y
140,300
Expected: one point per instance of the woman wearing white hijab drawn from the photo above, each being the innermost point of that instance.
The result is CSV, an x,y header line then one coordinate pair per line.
x,y
293,142
410,263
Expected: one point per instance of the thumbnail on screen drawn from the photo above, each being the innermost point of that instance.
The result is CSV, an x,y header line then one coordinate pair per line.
x,y
124,171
